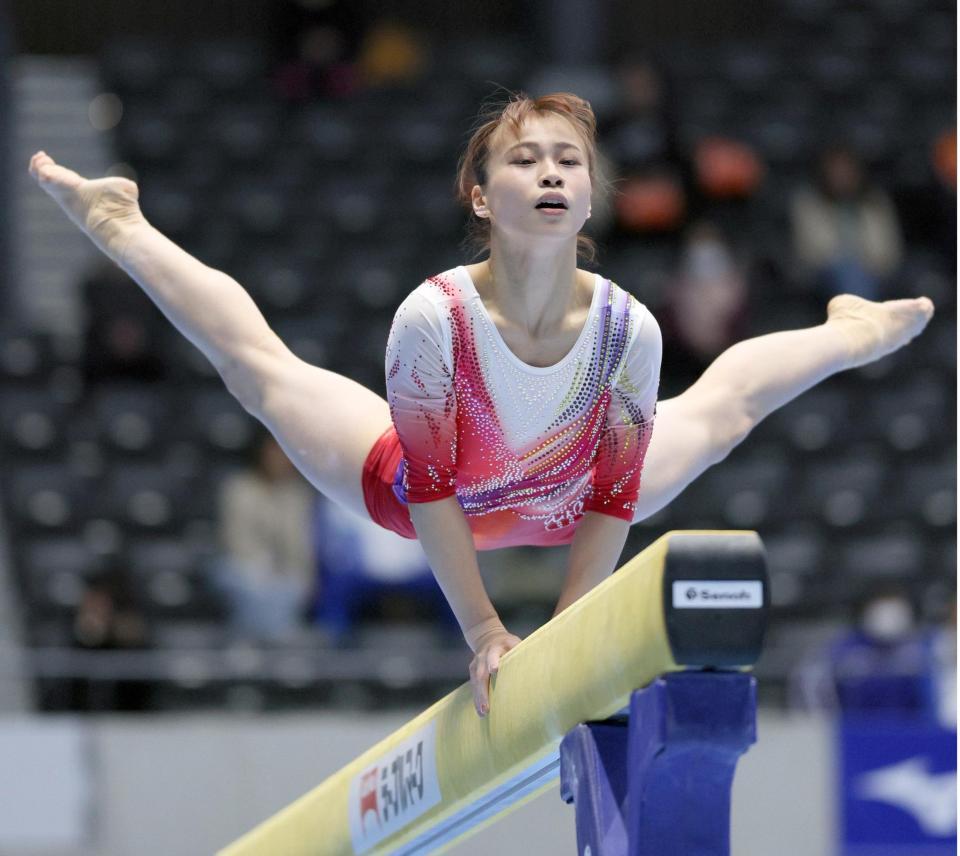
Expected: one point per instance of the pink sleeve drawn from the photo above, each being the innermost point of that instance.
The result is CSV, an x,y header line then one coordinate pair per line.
x,y
422,399
623,446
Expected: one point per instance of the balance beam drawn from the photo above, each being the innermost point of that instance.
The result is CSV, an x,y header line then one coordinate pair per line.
x,y
691,599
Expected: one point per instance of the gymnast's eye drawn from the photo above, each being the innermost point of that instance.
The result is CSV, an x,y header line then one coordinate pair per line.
x,y
524,161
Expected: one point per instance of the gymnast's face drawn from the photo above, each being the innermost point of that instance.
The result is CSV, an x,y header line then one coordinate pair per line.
x,y
548,158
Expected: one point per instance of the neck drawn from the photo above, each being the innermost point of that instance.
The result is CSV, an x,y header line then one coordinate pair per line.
x,y
535,290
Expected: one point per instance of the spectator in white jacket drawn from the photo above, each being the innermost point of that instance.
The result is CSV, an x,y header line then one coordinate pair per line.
x,y
845,231
266,571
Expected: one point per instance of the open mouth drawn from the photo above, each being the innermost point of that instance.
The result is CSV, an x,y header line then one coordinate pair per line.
x,y
552,209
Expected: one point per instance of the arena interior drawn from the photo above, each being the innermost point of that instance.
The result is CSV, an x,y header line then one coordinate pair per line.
x,y
309,149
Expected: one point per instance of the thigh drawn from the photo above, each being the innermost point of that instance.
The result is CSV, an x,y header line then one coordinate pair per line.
x,y
681,448
327,424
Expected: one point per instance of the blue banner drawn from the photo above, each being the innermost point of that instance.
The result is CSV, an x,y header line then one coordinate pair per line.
x,y
898,788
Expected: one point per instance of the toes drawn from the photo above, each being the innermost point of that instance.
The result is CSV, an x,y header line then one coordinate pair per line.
x,y
40,163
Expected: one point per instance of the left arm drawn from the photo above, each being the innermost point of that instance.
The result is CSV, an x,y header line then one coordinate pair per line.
x,y
594,553
608,513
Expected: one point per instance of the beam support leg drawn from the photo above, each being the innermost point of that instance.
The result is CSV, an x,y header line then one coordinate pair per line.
x,y
662,783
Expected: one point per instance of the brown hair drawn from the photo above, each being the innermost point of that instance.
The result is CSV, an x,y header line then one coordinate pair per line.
x,y
513,112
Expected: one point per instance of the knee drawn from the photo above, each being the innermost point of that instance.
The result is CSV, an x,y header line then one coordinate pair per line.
x,y
244,388
730,430
724,423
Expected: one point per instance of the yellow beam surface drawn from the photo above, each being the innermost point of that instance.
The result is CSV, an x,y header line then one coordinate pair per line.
x,y
447,773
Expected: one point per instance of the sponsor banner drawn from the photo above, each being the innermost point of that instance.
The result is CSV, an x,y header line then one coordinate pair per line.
x,y
717,594
394,790
898,785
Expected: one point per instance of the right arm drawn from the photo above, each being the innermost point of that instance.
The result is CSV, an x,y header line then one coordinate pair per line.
x,y
423,405
445,536
448,543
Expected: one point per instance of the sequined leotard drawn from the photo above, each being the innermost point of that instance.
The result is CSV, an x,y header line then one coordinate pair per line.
x,y
526,450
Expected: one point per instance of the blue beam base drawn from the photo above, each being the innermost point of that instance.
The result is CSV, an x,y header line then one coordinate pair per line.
x,y
661,784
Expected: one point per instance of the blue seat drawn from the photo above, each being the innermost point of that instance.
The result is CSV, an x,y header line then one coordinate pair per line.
x,y
822,418
146,497
215,417
316,340
926,492
148,137
747,491
279,280
749,68
891,555
24,356
32,423
135,64
244,133
330,135
912,415
844,491
230,66
171,203
54,571
134,418
46,497
168,577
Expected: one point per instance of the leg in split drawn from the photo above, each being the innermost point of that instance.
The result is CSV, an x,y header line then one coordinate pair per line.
x,y
325,422
750,380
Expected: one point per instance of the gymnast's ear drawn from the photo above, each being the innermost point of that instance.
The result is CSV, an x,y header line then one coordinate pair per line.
x,y
479,202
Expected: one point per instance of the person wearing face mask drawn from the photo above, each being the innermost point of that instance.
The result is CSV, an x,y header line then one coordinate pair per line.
x,y
521,389
885,665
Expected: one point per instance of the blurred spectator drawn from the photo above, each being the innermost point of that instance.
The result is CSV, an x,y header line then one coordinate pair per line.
x,y
266,571
642,132
846,234
367,570
886,665
8,296
640,139
319,68
727,169
654,202
392,54
317,43
705,309
945,158
945,657
107,619
122,330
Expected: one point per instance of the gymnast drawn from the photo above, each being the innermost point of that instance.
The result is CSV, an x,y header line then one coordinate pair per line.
x,y
521,390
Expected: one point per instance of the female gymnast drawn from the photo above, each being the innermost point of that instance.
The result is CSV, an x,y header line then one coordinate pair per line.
x,y
520,390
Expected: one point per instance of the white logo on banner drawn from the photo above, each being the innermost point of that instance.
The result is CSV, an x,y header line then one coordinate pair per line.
x,y
713,594
394,790
930,797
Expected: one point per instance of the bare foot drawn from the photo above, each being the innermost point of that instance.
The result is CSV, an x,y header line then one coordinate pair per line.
x,y
100,206
874,330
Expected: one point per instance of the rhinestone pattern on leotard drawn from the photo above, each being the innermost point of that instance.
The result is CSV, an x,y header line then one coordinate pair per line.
x,y
524,449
